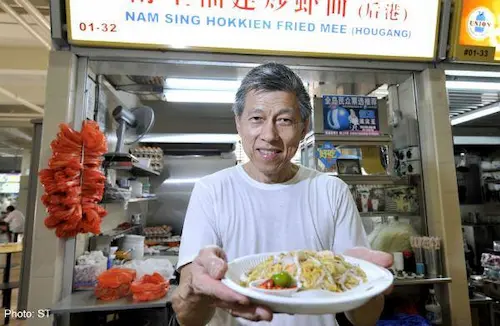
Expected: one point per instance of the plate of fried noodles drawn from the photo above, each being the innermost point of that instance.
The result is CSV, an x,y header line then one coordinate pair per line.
x,y
307,282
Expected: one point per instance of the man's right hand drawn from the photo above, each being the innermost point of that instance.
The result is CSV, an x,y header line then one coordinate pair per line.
x,y
200,291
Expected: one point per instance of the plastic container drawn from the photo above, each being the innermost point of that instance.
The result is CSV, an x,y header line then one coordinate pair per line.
x,y
134,243
433,309
136,188
146,188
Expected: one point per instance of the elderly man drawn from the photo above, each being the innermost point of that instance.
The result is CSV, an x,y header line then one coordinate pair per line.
x,y
266,205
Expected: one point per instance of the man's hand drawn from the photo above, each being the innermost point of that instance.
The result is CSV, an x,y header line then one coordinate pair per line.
x,y
200,291
370,312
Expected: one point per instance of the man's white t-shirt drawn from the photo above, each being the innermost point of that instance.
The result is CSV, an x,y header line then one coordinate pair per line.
x,y
16,221
243,216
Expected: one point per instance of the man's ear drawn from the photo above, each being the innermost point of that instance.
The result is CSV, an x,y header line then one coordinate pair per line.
x,y
305,128
237,122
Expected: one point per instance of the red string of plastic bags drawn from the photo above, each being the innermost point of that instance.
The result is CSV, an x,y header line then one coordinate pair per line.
x,y
73,182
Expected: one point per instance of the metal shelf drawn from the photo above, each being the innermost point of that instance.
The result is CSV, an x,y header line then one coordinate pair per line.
x,y
135,169
373,179
123,161
114,234
422,281
85,301
131,200
350,140
142,199
403,214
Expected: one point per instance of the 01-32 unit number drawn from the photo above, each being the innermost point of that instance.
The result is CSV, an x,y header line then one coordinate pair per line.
x,y
91,27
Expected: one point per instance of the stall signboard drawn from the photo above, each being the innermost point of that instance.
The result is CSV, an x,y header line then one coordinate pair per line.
x,y
475,33
350,115
388,29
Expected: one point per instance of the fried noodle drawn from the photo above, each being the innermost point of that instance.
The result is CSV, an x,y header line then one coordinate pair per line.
x,y
311,270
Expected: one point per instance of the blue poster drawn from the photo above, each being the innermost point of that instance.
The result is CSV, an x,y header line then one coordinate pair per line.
x,y
350,115
328,155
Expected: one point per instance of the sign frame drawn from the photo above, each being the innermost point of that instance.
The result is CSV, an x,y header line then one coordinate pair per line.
x,y
163,48
467,53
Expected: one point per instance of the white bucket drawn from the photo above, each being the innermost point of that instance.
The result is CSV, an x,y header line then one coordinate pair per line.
x,y
136,243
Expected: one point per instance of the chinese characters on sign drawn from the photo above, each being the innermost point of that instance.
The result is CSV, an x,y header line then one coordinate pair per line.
x,y
383,10
276,4
387,10
329,7
244,4
212,3
350,115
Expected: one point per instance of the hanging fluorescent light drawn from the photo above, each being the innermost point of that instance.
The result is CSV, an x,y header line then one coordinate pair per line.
x,y
380,92
476,114
202,84
470,73
198,96
466,85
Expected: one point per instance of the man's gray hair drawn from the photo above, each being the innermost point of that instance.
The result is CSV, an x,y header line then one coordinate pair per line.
x,y
271,77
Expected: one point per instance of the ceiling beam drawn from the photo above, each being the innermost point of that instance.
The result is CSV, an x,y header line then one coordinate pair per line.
x,y
23,58
18,134
15,123
34,13
41,38
20,116
21,100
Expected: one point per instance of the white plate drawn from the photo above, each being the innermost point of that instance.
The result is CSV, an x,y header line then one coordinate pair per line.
x,y
311,302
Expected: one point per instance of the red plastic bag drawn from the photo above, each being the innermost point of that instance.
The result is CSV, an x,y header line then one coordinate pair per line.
x,y
114,283
149,288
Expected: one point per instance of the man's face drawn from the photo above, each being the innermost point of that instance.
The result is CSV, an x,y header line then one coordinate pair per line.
x,y
270,128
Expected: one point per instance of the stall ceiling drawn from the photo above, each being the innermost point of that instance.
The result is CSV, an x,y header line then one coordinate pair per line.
x,y
463,102
41,5
115,70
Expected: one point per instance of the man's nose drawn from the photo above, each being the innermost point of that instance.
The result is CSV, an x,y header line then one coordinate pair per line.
x,y
269,132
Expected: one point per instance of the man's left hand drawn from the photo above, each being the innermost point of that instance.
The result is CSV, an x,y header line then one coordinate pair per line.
x,y
369,313
379,258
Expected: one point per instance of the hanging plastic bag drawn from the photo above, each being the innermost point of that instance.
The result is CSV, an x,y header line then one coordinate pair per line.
x,y
150,266
392,237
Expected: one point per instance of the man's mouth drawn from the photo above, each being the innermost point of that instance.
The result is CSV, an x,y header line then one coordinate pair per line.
x,y
269,154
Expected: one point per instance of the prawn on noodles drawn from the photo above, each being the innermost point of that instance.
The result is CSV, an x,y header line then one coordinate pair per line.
x,y
310,270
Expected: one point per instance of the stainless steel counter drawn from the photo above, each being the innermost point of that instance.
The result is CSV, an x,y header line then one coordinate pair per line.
x,y
85,301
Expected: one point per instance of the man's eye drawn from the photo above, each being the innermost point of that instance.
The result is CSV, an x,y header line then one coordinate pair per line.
x,y
285,121
256,119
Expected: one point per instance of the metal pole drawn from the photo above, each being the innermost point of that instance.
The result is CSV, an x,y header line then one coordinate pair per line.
x,y
23,116
22,301
35,13
24,23
70,244
19,99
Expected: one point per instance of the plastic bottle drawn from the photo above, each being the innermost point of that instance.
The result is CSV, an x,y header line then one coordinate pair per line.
x,y
433,309
145,188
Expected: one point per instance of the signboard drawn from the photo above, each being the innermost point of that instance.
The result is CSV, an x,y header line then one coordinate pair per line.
x,y
350,115
475,34
332,28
